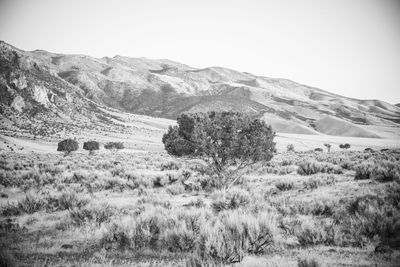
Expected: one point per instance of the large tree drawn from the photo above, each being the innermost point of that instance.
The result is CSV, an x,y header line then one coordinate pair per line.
x,y
227,141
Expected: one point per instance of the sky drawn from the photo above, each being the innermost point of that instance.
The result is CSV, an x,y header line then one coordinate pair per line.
x,y
347,47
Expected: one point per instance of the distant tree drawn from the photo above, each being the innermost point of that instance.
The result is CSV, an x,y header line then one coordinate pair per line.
x,y
344,146
318,149
114,146
67,146
226,141
328,147
290,148
91,146
368,149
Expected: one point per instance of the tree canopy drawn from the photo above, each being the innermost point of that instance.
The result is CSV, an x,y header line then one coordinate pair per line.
x,y
67,146
227,141
91,146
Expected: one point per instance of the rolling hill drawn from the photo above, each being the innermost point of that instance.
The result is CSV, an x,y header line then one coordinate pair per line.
x,y
46,92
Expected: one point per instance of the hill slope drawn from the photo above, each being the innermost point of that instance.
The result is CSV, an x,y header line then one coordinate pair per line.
x,y
71,88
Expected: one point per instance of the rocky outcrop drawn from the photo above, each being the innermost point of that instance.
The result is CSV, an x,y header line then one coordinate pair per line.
x,y
18,103
40,94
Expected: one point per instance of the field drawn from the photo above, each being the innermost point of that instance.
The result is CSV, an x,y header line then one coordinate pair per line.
x,y
145,208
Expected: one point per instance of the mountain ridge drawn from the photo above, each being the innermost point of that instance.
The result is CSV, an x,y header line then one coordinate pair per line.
x,y
165,88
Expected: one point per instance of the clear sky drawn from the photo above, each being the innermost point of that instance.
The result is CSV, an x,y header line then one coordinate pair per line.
x,y
348,47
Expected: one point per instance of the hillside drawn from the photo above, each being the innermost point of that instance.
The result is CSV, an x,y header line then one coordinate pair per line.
x,y
50,92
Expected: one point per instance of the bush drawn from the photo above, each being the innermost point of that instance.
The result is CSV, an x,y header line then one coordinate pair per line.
x,y
222,239
309,167
226,141
67,146
284,186
306,262
383,171
231,199
91,146
344,146
114,146
30,204
65,201
97,213
170,166
290,148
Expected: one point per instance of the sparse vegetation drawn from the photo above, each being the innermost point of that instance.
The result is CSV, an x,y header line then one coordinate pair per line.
x,y
149,204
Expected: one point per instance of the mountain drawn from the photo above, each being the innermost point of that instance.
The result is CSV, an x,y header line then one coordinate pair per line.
x,y
43,88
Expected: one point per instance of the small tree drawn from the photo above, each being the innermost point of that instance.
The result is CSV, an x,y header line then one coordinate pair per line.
x,y
344,146
67,146
114,146
91,146
226,141
290,148
328,147
318,149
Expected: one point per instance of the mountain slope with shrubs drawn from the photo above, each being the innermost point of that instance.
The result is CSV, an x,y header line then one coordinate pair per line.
x,y
69,89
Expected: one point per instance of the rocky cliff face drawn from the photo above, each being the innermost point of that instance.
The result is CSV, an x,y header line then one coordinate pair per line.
x,y
76,85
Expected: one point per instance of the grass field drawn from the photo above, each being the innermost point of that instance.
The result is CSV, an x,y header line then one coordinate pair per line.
x,y
148,209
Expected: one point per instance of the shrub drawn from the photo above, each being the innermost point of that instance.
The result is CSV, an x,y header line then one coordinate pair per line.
x,y
284,186
309,167
290,148
97,213
311,184
384,171
363,171
30,204
114,146
231,199
222,239
226,141
344,146
306,262
318,149
67,146
170,166
91,146
65,201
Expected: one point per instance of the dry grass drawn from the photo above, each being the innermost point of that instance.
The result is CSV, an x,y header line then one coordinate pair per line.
x,y
147,209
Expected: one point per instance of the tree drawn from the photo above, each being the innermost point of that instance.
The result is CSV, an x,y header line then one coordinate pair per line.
x,y
114,146
226,141
344,146
67,146
328,147
91,146
290,148
318,149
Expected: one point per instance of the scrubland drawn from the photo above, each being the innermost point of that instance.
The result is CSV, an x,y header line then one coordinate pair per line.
x,y
149,209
